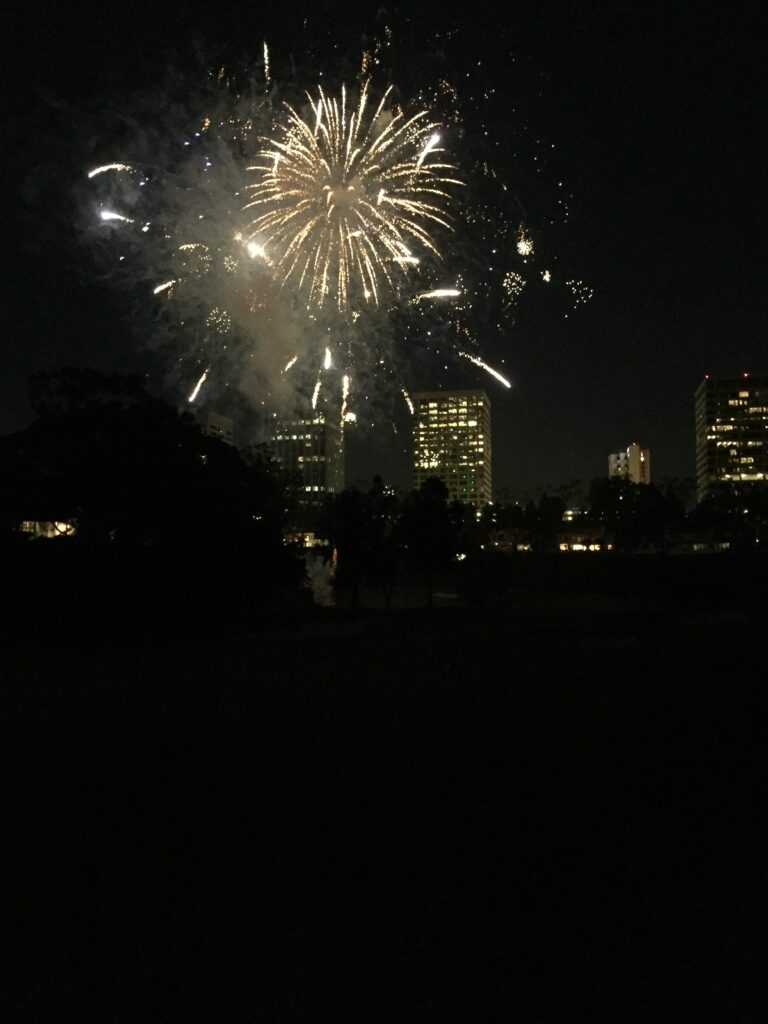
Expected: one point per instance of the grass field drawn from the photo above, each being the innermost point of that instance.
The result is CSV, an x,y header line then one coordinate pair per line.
x,y
540,811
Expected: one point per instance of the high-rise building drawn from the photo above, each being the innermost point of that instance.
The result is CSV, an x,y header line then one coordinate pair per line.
x,y
310,451
452,441
634,464
731,433
214,425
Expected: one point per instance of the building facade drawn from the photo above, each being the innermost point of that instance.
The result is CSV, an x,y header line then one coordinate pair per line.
x,y
214,425
452,441
310,452
634,464
731,416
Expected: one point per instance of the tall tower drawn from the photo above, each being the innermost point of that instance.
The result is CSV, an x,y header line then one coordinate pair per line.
x,y
452,441
310,451
634,464
731,433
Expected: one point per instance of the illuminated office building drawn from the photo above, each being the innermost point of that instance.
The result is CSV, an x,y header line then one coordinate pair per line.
x,y
731,433
634,464
310,451
452,441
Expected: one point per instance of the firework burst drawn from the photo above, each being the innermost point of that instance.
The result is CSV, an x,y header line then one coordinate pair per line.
x,y
289,249
339,202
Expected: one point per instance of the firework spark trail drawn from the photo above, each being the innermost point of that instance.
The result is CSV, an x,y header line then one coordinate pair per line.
x,y
109,167
316,392
164,287
439,293
432,142
336,200
266,64
201,381
344,396
327,360
486,367
408,401
111,215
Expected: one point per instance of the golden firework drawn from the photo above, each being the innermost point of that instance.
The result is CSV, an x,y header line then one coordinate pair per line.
x,y
339,202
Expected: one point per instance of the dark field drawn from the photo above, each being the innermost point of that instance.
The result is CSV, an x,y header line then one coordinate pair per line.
x,y
542,810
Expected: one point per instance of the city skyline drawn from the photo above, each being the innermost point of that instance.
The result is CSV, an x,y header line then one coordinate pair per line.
x,y
649,122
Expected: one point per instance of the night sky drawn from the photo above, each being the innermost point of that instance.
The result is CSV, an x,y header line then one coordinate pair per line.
x,y
656,119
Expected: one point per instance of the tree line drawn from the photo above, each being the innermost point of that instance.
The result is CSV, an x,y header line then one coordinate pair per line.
x,y
168,516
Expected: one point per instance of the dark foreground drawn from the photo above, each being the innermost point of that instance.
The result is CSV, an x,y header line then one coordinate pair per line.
x,y
538,813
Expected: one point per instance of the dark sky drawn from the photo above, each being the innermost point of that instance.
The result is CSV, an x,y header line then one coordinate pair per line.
x,y
657,118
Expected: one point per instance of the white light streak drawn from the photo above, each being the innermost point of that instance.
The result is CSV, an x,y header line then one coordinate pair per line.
x,y
432,142
327,361
111,215
486,367
109,167
440,293
196,389
291,362
164,286
344,395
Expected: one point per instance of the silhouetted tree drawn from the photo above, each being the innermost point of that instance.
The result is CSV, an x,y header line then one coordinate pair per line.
x,y
363,527
634,514
137,477
346,529
549,519
739,517
383,509
428,531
